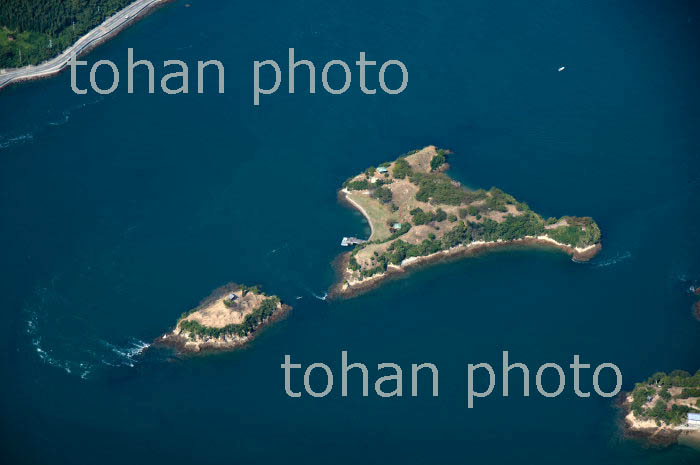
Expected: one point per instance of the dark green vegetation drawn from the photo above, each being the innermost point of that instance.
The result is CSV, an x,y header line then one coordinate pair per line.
x,y
421,217
579,233
251,322
460,216
405,227
376,189
401,169
657,390
357,185
382,194
438,188
254,289
438,160
514,227
32,31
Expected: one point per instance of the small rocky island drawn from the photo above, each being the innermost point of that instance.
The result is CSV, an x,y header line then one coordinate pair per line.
x,y
665,409
227,319
418,214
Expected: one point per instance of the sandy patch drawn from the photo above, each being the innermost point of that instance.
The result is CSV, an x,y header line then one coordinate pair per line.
x,y
217,315
420,161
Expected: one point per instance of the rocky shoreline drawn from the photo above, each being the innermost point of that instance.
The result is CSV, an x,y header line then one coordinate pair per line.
x,y
346,289
186,341
419,215
185,345
645,430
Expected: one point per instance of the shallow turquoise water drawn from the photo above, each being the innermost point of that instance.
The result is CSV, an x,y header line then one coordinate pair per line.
x,y
120,212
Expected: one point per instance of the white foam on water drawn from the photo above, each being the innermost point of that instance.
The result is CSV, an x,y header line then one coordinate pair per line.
x,y
127,355
613,261
9,141
94,352
62,121
66,114
47,358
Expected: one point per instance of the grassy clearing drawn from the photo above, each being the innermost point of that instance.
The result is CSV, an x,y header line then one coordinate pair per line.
x,y
378,213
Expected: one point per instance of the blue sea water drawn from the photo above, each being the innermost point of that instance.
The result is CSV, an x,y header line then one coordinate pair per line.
x,y
119,212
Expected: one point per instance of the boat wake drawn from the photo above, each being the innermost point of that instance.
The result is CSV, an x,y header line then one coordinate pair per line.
x,y
277,250
60,122
46,355
613,260
82,356
66,114
126,355
33,130
9,141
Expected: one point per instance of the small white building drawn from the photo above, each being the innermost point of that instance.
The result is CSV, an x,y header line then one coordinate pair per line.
x,y
694,419
382,169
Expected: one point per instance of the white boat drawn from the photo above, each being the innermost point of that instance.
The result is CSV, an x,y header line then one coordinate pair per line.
x,y
561,69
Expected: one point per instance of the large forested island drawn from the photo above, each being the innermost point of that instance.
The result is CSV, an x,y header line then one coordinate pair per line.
x,y
661,409
227,319
417,213
34,31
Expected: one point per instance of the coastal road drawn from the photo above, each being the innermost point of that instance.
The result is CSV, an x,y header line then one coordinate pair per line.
x,y
108,27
